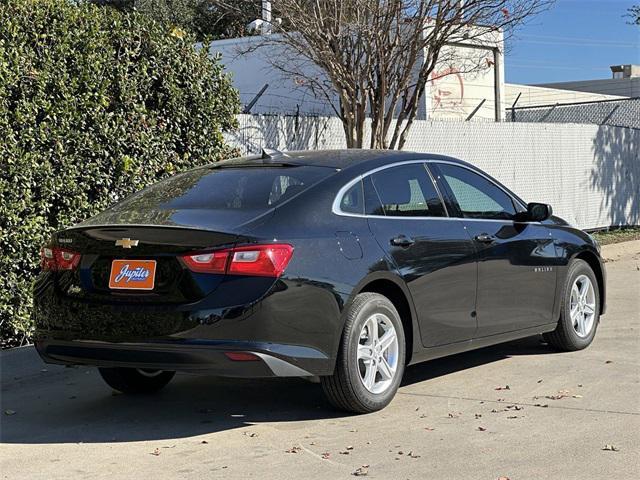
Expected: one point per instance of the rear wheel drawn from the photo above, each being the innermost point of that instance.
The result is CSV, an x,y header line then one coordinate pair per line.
x,y
579,311
135,380
371,358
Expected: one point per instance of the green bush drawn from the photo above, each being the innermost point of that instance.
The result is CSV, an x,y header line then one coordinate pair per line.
x,y
94,105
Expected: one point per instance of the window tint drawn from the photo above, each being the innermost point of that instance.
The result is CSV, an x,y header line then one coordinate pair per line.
x,y
407,191
372,203
477,196
352,201
235,194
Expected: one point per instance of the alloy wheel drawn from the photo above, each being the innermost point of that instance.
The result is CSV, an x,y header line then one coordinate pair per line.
x,y
377,355
582,306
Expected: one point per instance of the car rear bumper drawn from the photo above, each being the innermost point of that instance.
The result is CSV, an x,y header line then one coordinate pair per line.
x,y
269,360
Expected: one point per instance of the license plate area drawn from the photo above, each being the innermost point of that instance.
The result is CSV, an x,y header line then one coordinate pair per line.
x,y
132,275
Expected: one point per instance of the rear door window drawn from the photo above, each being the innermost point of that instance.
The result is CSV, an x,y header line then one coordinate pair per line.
x,y
407,191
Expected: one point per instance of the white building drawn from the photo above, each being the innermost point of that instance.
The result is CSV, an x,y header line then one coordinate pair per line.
x,y
454,91
625,82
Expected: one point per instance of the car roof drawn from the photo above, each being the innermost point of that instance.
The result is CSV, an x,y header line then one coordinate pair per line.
x,y
339,159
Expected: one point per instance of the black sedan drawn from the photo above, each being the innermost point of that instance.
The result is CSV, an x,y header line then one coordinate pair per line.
x,y
344,265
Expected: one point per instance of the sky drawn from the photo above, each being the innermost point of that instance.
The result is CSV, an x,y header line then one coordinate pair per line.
x,y
573,40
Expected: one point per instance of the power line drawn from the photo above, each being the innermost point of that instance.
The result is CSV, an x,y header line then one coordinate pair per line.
x,y
578,39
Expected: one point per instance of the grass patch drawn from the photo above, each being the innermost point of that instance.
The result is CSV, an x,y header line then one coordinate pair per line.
x,y
606,237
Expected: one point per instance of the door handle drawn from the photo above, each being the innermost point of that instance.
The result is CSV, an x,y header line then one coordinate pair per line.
x,y
402,241
485,238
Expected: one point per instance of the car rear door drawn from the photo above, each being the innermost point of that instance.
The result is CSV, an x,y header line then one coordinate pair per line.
x,y
433,253
516,260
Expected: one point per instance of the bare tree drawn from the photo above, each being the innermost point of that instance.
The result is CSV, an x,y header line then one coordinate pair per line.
x,y
378,55
634,14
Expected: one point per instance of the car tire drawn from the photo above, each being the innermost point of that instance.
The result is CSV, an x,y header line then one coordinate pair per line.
x,y
360,351
134,380
569,336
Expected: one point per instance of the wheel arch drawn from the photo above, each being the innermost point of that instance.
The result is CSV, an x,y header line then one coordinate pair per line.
x,y
593,260
392,287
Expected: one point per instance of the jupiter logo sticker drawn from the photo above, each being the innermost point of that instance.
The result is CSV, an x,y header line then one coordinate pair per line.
x,y
132,274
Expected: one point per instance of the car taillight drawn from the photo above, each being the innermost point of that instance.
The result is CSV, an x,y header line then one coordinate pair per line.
x,y
56,258
213,262
255,260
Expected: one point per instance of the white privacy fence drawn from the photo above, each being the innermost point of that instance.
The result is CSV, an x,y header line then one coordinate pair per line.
x,y
590,174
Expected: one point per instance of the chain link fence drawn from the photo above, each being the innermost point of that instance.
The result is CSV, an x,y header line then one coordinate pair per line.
x,y
590,174
619,113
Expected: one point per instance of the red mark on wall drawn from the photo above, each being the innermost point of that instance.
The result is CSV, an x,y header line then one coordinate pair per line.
x,y
447,89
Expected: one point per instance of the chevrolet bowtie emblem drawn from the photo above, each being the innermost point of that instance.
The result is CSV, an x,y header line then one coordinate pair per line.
x,y
126,243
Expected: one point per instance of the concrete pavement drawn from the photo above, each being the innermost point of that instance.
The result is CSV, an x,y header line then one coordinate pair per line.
x,y
453,418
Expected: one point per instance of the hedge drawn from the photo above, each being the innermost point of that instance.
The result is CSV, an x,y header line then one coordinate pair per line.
x,y
94,105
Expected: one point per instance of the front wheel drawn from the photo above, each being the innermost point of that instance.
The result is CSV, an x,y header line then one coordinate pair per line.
x,y
579,310
371,358
135,380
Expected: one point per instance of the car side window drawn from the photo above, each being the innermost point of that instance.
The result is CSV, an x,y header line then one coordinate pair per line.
x,y
407,191
477,196
352,201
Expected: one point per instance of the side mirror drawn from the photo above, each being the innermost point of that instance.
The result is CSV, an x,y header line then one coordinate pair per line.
x,y
538,212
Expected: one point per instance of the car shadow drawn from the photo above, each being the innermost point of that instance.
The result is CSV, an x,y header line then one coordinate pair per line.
x,y
73,405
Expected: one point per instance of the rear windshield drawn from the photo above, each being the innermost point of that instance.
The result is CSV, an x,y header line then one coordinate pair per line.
x,y
241,192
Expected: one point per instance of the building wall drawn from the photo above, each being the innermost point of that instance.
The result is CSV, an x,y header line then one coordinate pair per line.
x,y
626,87
465,78
454,90
590,174
534,95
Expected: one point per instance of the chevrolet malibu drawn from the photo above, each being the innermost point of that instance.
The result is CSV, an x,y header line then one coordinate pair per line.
x,y
344,265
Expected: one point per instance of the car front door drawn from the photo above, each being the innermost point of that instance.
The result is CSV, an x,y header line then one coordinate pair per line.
x,y
432,252
516,260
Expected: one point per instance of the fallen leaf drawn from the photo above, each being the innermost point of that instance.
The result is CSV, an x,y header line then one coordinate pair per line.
x,y
360,472
9,412
156,452
611,448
